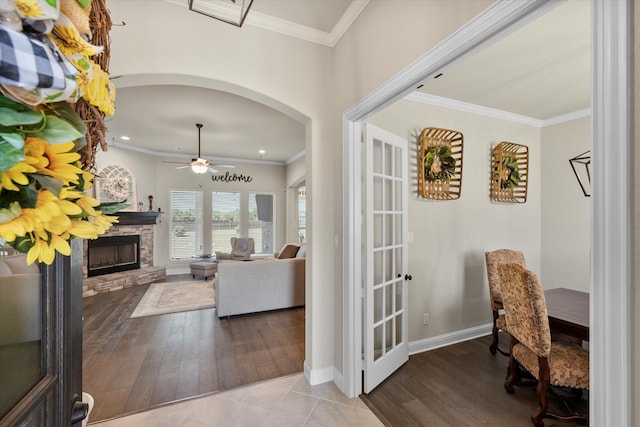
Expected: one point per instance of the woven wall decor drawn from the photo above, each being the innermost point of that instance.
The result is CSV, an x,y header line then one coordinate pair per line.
x,y
440,164
509,172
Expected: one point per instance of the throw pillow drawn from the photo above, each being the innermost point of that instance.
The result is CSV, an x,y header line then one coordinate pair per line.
x,y
289,251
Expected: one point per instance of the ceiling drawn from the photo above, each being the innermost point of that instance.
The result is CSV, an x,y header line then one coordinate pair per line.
x,y
540,71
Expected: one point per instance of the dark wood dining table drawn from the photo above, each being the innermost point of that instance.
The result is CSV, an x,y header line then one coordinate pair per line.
x,y
568,312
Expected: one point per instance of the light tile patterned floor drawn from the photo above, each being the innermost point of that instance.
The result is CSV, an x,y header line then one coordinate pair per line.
x,y
288,401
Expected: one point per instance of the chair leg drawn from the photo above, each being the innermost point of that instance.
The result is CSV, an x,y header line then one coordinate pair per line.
x,y
495,343
542,392
494,332
513,373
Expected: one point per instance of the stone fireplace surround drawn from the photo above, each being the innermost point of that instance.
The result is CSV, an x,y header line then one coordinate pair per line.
x,y
147,273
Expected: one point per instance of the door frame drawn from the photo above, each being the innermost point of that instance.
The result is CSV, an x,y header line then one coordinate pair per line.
x,y
610,287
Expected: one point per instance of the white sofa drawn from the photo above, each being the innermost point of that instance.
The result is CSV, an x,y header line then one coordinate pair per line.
x,y
263,284
20,300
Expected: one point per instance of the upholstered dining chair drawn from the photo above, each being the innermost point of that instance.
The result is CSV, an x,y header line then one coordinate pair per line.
x,y
492,260
552,363
241,249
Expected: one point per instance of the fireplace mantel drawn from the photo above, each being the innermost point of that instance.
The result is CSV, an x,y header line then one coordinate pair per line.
x,y
137,218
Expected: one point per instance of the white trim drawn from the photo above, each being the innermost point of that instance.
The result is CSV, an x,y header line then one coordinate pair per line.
x,y
302,32
566,117
352,256
318,376
466,107
155,153
481,30
439,101
449,339
610,334
295,157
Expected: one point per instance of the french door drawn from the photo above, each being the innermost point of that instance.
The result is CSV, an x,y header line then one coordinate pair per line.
x,y
385,335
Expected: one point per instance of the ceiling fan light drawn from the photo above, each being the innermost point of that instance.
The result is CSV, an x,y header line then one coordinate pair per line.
x,y
199,168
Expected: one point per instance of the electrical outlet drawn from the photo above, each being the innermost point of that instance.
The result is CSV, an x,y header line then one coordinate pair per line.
x,y
425,319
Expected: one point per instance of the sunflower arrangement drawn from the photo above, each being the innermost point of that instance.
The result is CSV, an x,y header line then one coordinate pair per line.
x,y
43,184
43,203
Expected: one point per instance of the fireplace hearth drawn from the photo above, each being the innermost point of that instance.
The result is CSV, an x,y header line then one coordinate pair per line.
x,y
113,254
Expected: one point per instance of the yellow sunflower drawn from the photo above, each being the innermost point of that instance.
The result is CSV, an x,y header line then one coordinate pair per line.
x,y
29,8
56,160
16,175
15,221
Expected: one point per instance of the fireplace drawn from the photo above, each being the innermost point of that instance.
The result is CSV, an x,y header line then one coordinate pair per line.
x,y
113,254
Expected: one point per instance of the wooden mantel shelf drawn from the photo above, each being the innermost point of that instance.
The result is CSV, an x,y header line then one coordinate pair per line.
x,y
137,218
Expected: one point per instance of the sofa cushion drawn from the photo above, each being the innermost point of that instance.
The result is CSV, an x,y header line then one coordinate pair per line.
x,y
288,251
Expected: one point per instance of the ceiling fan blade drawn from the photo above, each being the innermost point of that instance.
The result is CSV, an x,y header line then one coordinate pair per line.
x,y
212,170
183,167
223,166
169,161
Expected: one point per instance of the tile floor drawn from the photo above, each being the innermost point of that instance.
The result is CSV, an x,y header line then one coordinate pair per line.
x,y
288,401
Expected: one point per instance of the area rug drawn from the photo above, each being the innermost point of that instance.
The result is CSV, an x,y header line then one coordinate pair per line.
x,y
174,297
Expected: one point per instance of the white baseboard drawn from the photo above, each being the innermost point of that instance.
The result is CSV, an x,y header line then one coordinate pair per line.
x,y
450,338
318,376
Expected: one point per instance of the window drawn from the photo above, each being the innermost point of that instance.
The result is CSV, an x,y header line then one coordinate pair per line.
x,y
260,210
186,224
225,220
302,214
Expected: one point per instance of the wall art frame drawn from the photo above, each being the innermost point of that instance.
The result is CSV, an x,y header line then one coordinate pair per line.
x,y
440,164
509,172
116,183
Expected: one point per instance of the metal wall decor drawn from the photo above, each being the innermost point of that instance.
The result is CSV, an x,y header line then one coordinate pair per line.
x,y
509,172
581,165
440,164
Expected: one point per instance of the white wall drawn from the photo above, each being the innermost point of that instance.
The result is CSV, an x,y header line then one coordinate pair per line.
x,y
566,219
446,258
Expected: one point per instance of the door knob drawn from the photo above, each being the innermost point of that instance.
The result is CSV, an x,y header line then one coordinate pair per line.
x,y
408,277
79,411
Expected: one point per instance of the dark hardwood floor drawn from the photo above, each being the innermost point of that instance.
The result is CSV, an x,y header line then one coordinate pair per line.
x,y
133,364
458,385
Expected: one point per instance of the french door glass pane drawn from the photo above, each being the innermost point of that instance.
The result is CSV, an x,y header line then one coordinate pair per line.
x,y
186,224
261,212
225,219
21,329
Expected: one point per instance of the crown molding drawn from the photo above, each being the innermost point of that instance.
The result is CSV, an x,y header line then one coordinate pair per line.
x,y
302,32
466,107
493,113
165,154
566,117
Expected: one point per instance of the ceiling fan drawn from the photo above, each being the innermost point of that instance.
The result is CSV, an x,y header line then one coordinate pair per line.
x,y
200,165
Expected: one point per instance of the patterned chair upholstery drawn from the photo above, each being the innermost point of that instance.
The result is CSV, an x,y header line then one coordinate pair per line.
x,y
241,249
551,363
493,259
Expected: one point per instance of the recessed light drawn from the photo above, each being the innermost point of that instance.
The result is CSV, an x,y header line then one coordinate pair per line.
x,y
261,151
125,138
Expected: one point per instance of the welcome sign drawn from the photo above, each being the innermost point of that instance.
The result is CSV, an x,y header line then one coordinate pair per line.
x,y
231,177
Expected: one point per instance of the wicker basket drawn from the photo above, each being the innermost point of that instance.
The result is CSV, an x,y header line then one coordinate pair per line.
x,y
440,164
509,173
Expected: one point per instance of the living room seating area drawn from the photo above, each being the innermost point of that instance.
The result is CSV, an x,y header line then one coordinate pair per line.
x,y
243,287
